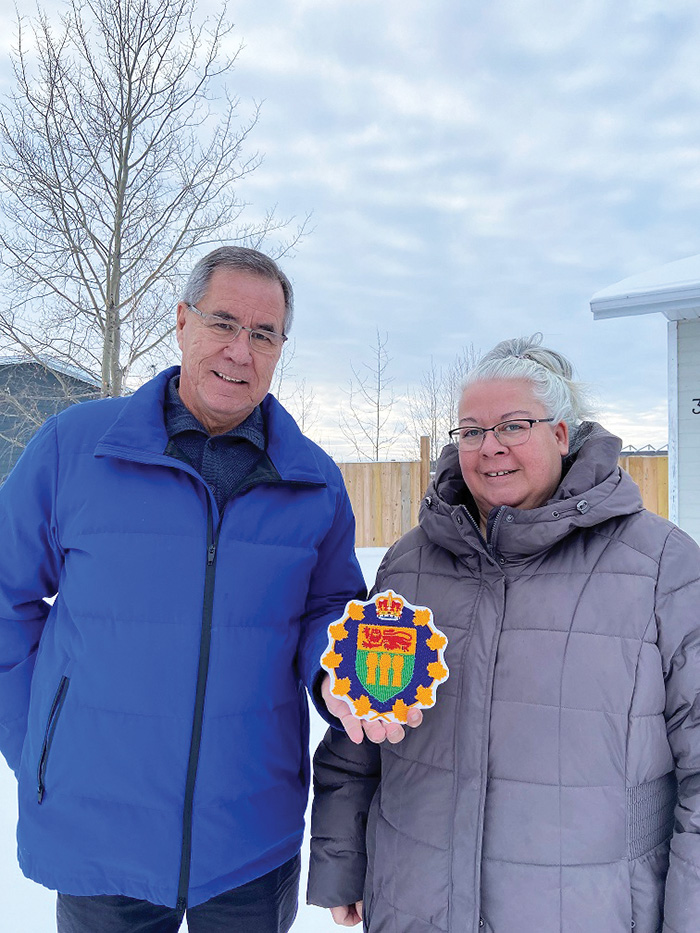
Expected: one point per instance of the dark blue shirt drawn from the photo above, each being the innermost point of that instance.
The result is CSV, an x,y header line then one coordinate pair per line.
x,y
223,461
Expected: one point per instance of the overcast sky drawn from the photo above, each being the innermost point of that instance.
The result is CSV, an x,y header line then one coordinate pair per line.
x,y
477,170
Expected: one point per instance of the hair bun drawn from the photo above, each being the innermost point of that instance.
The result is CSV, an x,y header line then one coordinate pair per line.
x,y
550,373
531,349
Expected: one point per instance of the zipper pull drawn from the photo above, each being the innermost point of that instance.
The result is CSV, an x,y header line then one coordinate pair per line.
x,y
211,554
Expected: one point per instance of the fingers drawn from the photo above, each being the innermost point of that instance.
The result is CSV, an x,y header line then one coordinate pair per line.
x,y
356,729
352,726
391,732
347,916
378,731
340,709
415,718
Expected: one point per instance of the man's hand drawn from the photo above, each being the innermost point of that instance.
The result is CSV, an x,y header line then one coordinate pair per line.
x,y
347,916
357,729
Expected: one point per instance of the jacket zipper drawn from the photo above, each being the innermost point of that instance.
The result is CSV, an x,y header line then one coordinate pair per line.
x,y
202,674
198,717
490,554
51,723
491,544
204,644
488,549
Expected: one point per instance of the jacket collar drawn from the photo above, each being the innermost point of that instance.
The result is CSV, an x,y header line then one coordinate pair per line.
x,y
138,433
592,490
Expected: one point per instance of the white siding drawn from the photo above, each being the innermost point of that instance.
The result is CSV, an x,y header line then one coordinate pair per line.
x,y
673,421
688,425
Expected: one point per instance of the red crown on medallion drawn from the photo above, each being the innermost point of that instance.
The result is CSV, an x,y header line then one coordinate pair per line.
x,y
389,607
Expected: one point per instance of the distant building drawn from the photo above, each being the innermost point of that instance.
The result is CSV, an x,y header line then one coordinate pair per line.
x,y
30,391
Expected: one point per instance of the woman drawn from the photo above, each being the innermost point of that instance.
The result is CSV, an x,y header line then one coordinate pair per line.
x,y
541,793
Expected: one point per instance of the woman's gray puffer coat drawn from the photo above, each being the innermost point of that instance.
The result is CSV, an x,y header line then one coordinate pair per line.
x,y
542,791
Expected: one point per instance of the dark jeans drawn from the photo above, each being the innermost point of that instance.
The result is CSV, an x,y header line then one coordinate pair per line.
x,y
264,905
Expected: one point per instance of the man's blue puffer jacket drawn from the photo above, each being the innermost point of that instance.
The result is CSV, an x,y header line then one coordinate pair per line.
x,y
156,714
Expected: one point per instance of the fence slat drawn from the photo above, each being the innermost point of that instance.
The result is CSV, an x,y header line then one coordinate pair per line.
x,y
651,475
386,496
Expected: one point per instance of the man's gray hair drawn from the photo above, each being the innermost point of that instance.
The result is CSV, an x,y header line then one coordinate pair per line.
x,y
550,374
245,260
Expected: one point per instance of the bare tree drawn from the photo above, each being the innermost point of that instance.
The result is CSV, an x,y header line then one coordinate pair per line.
x,y
455,376
426,406
284,371
433,402
295,394
303,406
117,160
367,422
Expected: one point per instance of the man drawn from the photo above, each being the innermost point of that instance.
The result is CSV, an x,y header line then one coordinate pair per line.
x,y
199,545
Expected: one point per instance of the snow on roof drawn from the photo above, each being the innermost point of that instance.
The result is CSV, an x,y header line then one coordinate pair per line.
x,y
73,371
672,289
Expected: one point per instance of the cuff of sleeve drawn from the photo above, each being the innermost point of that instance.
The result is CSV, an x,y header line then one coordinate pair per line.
x,y
335,878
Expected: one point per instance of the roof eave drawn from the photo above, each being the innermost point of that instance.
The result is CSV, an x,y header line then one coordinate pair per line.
x,y
676,305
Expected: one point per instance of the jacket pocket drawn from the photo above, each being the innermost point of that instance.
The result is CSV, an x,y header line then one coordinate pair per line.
x,y
51,723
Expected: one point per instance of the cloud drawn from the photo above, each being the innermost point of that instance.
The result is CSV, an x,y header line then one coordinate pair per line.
x,y
637,428
477,171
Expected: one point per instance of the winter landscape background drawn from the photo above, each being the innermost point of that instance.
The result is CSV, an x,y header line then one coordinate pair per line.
x,y
474,171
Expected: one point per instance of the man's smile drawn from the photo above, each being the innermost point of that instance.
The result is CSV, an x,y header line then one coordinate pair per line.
x,y
229,378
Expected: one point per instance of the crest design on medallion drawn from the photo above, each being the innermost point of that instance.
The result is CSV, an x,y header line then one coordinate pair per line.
x,y
384,657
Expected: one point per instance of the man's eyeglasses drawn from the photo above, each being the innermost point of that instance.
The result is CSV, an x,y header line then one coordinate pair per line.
x,y
508,433
225,329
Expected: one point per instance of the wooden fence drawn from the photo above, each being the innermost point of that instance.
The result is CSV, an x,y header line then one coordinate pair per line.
x,y
651,475
385,496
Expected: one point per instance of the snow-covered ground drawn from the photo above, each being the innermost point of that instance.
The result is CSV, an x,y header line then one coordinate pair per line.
x,y
26,907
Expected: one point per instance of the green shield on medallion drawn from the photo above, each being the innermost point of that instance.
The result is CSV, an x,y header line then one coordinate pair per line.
x,y
385,659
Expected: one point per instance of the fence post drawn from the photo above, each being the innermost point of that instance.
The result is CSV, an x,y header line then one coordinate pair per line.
x,y
424,464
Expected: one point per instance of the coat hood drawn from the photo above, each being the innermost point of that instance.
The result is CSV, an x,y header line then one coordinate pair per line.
x,y
593,489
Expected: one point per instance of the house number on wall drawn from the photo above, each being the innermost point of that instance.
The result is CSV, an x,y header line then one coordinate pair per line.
x,y
696,406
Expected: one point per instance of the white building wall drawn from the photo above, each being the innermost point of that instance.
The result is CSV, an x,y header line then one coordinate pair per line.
x,y
686,431
673,421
